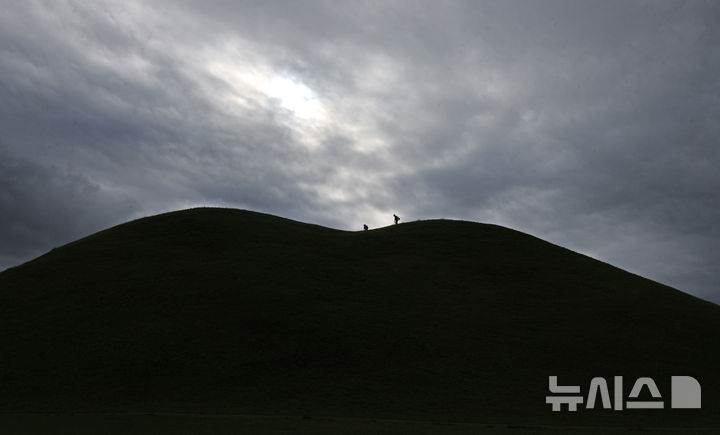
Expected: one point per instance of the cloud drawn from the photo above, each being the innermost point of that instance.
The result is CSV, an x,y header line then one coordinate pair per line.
x,y
589,124
41,207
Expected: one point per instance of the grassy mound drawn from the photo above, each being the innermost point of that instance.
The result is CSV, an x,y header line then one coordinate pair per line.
x,y
228,311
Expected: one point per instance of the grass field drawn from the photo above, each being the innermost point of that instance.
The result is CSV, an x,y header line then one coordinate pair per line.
x,y
230,312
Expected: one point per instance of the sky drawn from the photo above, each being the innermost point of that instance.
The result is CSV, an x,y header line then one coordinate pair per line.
x,y
591,124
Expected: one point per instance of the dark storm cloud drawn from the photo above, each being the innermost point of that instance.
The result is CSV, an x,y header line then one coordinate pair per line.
x,y
590,124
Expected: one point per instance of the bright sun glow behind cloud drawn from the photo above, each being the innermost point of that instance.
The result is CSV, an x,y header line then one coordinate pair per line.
x,y
295,97
283,92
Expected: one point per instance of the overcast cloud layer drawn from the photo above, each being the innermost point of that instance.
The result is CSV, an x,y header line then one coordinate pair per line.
x,y
591,124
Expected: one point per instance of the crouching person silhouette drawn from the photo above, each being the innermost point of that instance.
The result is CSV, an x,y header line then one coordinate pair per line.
x,y
365,227
397,219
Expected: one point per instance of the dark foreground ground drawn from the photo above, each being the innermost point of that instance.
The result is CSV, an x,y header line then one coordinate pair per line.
x,y
188,424
216,311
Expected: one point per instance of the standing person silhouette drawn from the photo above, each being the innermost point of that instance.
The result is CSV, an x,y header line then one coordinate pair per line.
x,y
397,219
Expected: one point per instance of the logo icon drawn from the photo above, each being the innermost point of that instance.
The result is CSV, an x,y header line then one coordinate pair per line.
x,y
685,393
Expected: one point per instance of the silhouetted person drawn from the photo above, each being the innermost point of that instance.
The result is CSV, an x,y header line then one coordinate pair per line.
x,y
366,227
397,219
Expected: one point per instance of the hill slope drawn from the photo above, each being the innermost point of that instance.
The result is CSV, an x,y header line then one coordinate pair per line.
x,y
217,310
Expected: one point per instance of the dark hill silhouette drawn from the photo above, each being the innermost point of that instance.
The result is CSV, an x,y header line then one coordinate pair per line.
x,y
229,311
